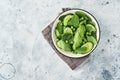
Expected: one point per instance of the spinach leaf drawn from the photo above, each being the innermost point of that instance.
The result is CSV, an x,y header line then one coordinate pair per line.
x,y
77,40
90,28
81,50
74,21
66,36
66,19
84,48
81,30
92,39
91,22
82,14
61,44
79,36
68,30
61,18
59,27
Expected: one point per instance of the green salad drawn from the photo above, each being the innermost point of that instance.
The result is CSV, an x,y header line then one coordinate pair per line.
x,y
76,33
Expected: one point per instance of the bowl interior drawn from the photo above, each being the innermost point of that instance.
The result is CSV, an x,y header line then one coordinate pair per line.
x,y
70,54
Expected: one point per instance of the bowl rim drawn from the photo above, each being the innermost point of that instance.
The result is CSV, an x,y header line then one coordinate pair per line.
x,y
70,54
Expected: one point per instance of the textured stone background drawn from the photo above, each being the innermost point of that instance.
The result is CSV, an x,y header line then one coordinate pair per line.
x,y
26,55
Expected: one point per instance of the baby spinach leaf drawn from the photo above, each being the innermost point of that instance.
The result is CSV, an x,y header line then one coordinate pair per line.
x,y
74,21
85,48
61,44
81,30
66,19
59,27
91,22
83,22
61,18
92,39
81,50
57,33
82,14
66,36
77,40
79,36
90,28
68,30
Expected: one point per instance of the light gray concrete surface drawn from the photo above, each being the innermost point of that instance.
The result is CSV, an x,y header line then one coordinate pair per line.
x,y
26,55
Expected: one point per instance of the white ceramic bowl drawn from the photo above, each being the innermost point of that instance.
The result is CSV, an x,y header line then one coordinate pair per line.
x,y
70,54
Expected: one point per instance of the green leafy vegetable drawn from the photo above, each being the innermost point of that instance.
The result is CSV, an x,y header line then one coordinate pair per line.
x,y
85,48
90,28
66,36
68,30
77,40
74,21
61,44
82,14
57,33
92,39
66,19
59,27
